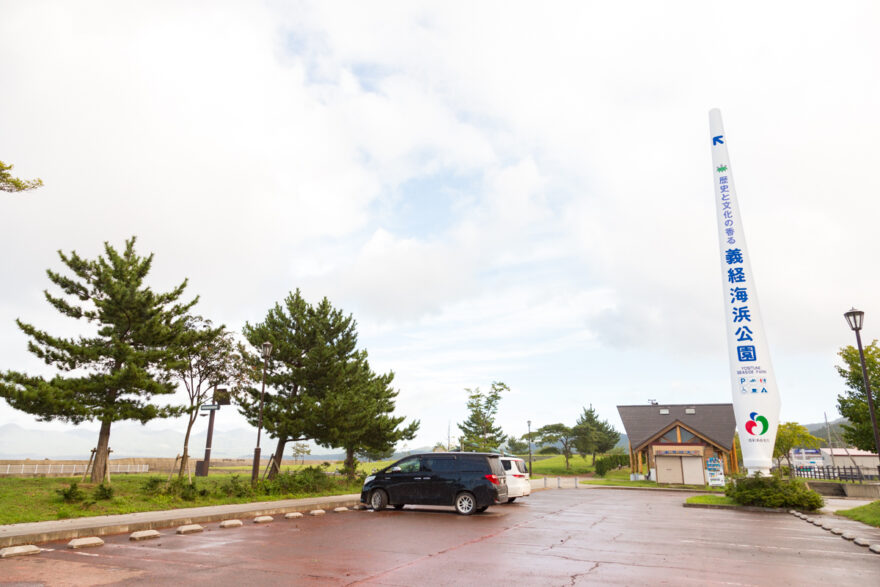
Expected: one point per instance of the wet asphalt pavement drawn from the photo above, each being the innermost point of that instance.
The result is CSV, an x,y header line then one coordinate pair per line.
x,y
558,537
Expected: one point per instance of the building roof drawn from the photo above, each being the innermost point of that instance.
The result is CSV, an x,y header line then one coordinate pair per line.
x,y
714,421
848,452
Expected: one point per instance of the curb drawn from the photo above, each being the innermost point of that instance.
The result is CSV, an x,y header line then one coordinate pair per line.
x,y
672,489
39,532
865,542
742,508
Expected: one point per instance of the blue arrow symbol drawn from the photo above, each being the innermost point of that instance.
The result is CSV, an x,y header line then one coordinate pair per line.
x,y
717,140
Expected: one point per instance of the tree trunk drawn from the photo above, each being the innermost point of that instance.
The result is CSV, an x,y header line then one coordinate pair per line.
x,y
277,457
184,460
348,465
101,466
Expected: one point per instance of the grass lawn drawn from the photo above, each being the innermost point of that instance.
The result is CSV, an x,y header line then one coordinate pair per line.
x,y
868,514
34,499
711,500
555,465
620,478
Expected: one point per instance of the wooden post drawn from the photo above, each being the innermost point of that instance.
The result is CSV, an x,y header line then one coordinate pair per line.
x,y
89,466
107,470
174,466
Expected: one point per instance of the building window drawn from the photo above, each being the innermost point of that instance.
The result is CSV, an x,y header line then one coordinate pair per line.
x,y
664,411
690,411
669,437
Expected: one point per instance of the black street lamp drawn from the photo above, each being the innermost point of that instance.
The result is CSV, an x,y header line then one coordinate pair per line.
x,y
855,318
529,422
255,472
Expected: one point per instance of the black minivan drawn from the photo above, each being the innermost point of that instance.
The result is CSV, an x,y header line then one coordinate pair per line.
x,y
468,481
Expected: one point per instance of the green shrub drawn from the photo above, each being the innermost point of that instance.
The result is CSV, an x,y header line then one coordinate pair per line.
x,y
773,492
235,487
306,480
72,494
153,485
609,462
548,450
103,492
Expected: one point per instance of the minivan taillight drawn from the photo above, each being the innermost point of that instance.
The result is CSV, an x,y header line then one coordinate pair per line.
x,y
493,479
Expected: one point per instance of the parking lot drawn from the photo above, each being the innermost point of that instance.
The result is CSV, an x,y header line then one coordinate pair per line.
x,y
554,537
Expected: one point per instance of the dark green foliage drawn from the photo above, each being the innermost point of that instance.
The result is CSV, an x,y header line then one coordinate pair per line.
x,y
773,492
311,345
114,372
185,490
610,462
153,485
103,492
319,386
517,447
479,432
71,494
853,404
358,416
592,435
306,480
548,450
233,486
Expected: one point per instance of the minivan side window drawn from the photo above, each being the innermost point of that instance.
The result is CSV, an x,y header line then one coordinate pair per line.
x,y
438,464
506,465
521,466
409,465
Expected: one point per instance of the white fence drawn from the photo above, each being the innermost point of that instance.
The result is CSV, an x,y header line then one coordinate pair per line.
x,y
65,469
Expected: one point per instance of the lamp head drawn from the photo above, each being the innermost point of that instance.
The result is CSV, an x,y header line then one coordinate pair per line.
x,y
854,318
267,349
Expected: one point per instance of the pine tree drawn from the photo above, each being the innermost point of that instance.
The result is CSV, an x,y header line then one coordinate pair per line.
x,y
594,436
8,183
311,346
358,416
120,367
479,431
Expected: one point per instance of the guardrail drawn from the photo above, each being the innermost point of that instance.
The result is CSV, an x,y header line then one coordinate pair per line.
x,y
849,474
64,469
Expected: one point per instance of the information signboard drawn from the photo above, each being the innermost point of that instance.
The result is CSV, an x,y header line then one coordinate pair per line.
x,y
715,472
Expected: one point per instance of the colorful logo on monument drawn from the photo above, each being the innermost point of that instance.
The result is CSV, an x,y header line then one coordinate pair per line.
x,y
754,421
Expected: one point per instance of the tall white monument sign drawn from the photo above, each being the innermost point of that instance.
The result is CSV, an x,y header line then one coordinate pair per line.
x,y
755,396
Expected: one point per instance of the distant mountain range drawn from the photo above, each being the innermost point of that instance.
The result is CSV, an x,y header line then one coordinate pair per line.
x,y
836,428
128,439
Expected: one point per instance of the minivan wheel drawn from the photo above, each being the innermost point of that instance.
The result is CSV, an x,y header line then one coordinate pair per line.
x,y
465,503
378,500
511,499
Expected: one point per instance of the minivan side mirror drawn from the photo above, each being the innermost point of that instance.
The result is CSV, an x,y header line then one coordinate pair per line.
x,y
394,470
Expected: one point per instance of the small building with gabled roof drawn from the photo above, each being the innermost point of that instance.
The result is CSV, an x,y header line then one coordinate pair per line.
x,y
672,443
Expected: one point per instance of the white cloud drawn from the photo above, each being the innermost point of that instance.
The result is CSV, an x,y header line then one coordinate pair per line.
x,y
495,190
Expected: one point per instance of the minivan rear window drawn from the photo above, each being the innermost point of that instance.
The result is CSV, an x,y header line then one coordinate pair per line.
x,y
521,466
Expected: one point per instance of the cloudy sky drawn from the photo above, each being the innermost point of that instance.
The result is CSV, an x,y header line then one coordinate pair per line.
x,y
495,190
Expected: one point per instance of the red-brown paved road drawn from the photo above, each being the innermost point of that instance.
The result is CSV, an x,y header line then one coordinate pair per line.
x,y
557,537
